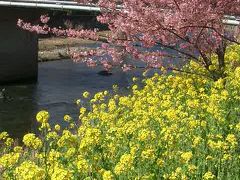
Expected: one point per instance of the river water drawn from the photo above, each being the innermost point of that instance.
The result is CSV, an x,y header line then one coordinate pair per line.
x,y
60,83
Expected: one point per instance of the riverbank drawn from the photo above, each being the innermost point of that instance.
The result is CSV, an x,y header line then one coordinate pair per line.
x,y
55,48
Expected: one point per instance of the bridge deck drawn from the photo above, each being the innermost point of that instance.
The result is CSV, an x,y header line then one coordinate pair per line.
x,y
73,5
49,4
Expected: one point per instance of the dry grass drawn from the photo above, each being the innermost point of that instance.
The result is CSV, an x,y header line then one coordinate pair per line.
x,y
53,43
55,48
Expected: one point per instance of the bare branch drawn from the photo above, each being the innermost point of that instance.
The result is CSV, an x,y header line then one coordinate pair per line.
x,y
177,5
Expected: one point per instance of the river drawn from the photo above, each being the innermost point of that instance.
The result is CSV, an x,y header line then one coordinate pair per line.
x,y
60,83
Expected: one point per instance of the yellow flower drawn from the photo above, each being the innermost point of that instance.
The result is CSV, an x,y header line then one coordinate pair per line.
x,y
134,87
208,175
28,171
53,156
176,174
70,152
67,118
111,105
212,68
45,126
196,141
42,116
187,156
192,168
105,93
78,101
124,165
9,142
18,149
82,164
91,138
144,135
160,162
224,94
107,175
82,110
3,135
134,79
145,73
57,127
9,160
226,157
67,139
86,94
238,126
30,140
148,154
52,136
203,123
231,138
133,149
115,87
71,125
60,173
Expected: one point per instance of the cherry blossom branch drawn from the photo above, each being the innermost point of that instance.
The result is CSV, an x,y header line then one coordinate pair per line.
x,y
45,29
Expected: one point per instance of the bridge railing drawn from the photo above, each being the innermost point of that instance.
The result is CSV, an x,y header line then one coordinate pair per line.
x,y
50,4
73,5
45,1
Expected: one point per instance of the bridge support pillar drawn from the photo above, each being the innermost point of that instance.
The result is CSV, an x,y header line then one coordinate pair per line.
x,y
18,48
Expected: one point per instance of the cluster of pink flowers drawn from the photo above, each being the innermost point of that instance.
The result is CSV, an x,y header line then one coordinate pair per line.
x,y
45,29
44,18
33,28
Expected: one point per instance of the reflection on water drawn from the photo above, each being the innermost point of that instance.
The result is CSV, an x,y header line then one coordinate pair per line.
x,y
60,83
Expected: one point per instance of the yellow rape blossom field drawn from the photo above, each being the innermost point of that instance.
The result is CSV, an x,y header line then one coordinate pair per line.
x,y
177,126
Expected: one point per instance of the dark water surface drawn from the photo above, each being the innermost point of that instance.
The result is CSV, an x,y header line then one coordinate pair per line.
x,y
60,83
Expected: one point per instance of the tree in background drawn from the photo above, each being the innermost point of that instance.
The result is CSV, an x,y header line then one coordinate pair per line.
x,y
144,29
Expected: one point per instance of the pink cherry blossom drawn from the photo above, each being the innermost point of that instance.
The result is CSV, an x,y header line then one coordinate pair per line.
x,y
44,18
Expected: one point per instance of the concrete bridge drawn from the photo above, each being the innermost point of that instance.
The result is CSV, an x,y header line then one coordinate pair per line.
x,y
19,48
